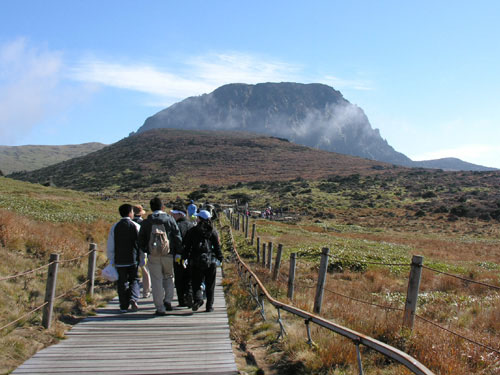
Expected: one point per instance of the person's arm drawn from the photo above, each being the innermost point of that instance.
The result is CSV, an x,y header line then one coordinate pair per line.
x,y
110,249
216,245
174,236
143,237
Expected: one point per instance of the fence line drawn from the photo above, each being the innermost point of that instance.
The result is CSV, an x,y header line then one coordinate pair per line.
x,y
357,338
462,278
400,309
26,272
365,302
51,280
23,316
456,334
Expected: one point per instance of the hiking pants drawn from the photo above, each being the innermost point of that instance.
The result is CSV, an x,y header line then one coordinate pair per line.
x,y
127,285
161,270
183,284
208,275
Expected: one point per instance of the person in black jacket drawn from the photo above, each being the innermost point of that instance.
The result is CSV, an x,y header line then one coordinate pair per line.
x,y
202,250
161,267
123,253
182,273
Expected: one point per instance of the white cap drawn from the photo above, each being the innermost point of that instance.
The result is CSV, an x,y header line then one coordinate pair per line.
x,y
204,214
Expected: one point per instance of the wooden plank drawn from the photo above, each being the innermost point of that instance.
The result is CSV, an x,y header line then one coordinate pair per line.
x,y
182,342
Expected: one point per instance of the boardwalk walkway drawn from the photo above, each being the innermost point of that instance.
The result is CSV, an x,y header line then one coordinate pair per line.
x,y
183,342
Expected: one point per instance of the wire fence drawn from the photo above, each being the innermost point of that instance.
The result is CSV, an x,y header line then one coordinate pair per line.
x,y
302,261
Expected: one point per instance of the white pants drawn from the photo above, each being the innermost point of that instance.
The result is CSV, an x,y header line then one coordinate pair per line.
x,y
146,281
161,270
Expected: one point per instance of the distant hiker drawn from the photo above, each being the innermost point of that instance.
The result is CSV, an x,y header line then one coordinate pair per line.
x,y
202,250
191,210
160,238
146,278
182,272
123,252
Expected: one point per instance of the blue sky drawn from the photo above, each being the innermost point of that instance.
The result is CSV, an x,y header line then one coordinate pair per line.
x,y
426,73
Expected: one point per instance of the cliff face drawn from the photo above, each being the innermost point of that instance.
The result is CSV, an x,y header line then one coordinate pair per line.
x,y
313,115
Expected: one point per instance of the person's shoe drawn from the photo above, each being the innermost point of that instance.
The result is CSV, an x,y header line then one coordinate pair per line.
x,y
209,309
133,306
168,306
123,311
160,313
146,295
197,305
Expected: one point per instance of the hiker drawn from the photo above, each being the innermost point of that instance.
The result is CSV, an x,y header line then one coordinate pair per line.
x,y
123,253
146,278
160,238
191,210
202,250
182,272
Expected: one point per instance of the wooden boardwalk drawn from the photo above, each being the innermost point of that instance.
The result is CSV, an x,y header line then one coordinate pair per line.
x,y
183,342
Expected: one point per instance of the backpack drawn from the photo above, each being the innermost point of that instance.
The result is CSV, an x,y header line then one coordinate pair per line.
x,y
205,259
158,241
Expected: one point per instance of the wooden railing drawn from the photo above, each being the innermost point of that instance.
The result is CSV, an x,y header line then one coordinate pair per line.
x,y
260,293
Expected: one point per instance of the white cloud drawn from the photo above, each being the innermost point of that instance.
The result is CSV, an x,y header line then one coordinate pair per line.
x,y
31,88
199,75
482,154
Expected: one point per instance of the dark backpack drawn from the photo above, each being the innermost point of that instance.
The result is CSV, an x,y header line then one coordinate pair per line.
x,y
205,258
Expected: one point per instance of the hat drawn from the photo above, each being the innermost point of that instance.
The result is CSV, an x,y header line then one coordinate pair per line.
x,y
204,214
178,210
138,210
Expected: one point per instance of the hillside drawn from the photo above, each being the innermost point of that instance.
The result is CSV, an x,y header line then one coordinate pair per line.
x,y
31,157
164,158
451,164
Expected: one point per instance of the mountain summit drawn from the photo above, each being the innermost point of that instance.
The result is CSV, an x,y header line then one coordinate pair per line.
x,y
313,115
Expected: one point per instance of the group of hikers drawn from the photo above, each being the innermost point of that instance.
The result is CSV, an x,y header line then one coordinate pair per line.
x,y
183,246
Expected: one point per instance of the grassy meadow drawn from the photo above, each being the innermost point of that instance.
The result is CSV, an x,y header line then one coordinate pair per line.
x,y
451,219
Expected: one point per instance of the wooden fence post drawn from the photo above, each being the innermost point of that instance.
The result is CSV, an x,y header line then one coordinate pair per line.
x,y
277,264
258,249
412,293
323,266
291,275
91,270
246,226
253,234
50,290
263,255
270,256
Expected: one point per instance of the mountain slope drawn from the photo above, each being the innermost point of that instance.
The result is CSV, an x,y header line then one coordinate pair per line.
x,y
168,157
313,115
451,164
29,158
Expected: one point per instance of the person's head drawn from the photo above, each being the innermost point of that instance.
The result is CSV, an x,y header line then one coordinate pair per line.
x,y
125,210
203,215
156,204
178,213
138,210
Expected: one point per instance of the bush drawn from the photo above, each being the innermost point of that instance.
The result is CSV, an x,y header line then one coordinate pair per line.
x,y
459,211
429,194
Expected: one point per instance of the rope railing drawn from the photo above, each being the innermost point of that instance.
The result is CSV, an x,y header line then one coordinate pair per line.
x,y
50,297
24,316
357,338
25,272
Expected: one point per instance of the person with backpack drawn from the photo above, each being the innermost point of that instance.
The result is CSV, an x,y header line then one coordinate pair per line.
x,y
182,272
202,250
146,278
123,253
160,238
